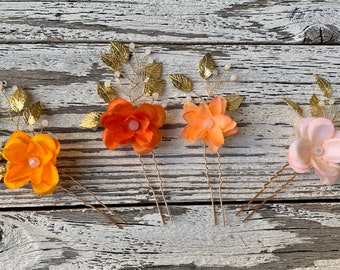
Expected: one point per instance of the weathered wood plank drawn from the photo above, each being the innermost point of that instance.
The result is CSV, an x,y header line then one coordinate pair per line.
x,y
245,21
285,236
63,77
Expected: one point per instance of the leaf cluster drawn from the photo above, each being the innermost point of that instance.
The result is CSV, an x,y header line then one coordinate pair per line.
x,y
17,103
206,67
315,105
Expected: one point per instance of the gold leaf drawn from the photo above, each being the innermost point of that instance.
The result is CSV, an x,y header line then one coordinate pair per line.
x,y
296,107
315,109
111,61
18,99
106,93
181,82
206,66
32,113
324,85
120,52
91,120
153,86
153,71
233,102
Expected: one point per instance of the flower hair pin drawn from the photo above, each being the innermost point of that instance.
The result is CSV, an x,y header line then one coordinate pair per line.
x,y
316,145
123,122
31,155
208,121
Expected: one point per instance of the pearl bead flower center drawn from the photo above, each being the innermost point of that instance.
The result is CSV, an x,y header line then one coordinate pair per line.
x,y
317,151
133,125
208,123
34,162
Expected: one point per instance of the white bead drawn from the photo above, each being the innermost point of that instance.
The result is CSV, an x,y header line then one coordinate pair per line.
x,y
208,123
155,95
34,162
164,104
107,83
133,125
321,103
317,151
147,51
233,78
132,47
227,67
150,60
44,123
30,128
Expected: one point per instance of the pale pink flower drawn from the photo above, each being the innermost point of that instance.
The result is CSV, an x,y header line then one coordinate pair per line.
x,y
317,145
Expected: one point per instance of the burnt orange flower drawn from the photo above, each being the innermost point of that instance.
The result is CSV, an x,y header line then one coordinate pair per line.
x,y
208,122
31,159
125,124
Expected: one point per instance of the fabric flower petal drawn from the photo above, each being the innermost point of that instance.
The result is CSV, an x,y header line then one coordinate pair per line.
x,y
48,143
218,105
121,106
15,152
300,127
155,113
112,141
331,150
215,134
327,180
49,180
300,155
36,175
16,175
224,122
319,130
325,170
189,106
147,148
231,132
192,134
212,147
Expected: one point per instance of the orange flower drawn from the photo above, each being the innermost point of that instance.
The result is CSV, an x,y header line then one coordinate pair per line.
x,y
125,124
31,159
208,122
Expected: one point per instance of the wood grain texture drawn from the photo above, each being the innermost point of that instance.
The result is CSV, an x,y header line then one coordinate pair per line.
x,y
65,79
52,49
166,21
282,236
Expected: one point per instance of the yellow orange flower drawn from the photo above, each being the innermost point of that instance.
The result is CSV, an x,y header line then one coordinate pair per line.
x,y
125,124
208,122
31,159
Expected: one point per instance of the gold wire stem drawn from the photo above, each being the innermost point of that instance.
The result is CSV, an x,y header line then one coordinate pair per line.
x,y
220,186
263,188
94,196
161,186
18,121
137,61
91,206
8,102
151,188
209,184
271,196
5,133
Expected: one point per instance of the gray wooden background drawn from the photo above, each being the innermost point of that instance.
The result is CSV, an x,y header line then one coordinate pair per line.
x,y
275,47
